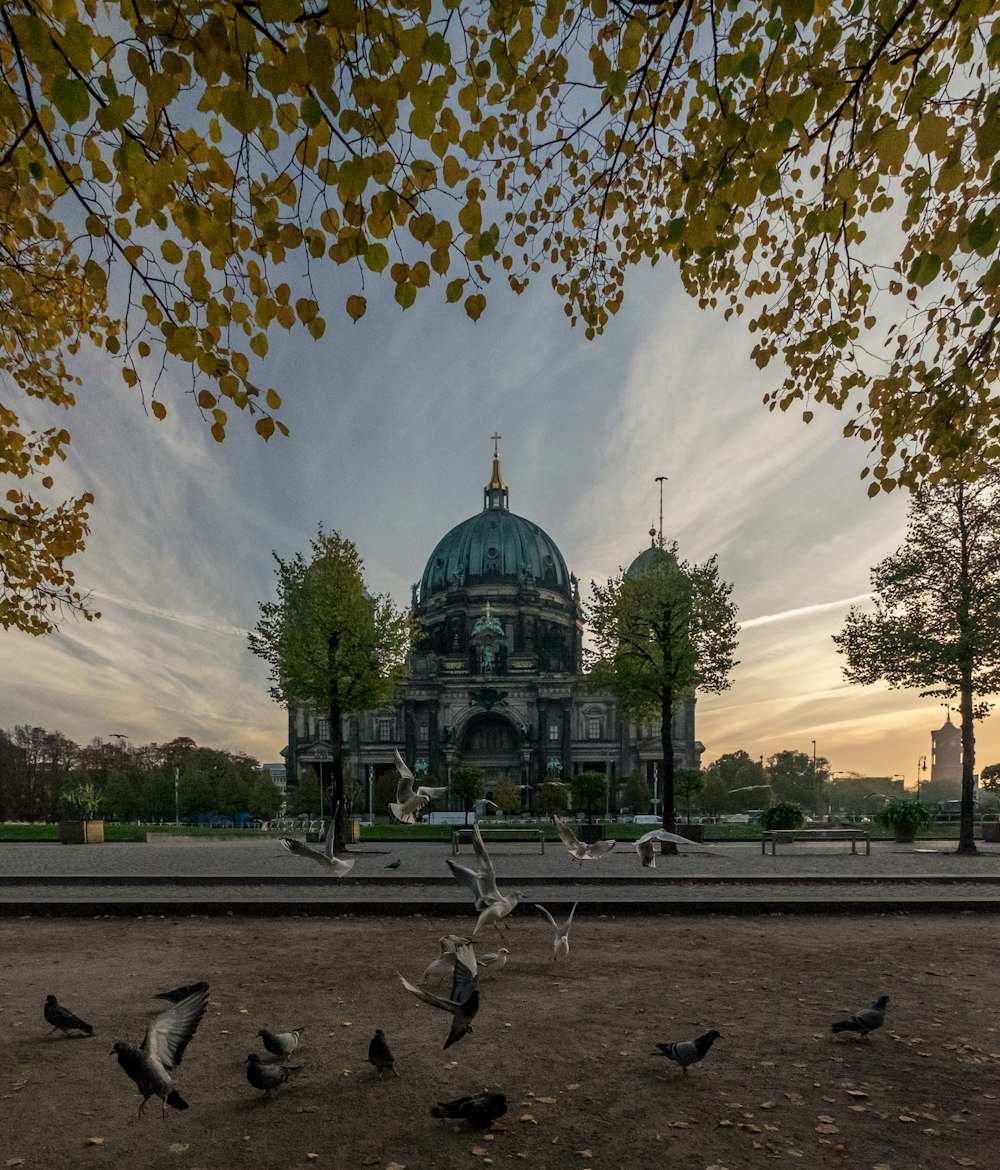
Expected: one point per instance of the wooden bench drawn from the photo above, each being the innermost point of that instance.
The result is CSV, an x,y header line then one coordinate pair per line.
x,y
464,836
852,835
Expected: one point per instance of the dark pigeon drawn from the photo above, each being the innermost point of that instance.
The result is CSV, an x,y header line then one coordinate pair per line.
x,y
464,1001
62,1019
268,1077
478,1109
864,1021
281,1044
161,1050
395,864
688,1052
180,993
380,1054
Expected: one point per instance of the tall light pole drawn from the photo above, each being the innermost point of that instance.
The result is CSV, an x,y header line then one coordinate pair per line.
x,y
921,764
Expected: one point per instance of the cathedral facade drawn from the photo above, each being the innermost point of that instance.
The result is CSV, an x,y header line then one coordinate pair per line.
x,y
497,676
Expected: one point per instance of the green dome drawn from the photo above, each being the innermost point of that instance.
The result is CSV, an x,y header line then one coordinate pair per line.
x,y
495,547
648,560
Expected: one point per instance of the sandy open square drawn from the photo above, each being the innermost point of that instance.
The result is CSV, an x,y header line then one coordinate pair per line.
x,y
570,1043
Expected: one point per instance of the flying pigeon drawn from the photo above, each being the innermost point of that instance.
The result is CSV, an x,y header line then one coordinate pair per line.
x,y
161,1050
281,1044
395,864
410,798
268,1077
576,847
482,881
445,962
338,865
560,940
864,1021
688,1052
180,993
479,1109
380,1054
62,1019
464,1001
644,846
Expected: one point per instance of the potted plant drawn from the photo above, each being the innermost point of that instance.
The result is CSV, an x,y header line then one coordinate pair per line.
x,y
85,829
904,818
786,814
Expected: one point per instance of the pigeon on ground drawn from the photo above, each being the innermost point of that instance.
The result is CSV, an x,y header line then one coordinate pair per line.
x,y
380,1054
688,1052
395,864
493,960
464,1000
410,798
268,1077
281,1044
180,993
645,848
576,847
326,857
560,940
478,1109
482,881
161,1050
62,1019
864,1021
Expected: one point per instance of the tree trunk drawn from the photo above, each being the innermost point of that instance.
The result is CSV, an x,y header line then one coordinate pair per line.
x,y
337,768
966,828
667,747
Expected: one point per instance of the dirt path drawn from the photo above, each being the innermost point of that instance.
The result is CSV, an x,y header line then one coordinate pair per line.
x,y
569,1043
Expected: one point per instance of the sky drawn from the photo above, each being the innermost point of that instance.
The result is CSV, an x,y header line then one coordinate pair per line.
x,y
390,422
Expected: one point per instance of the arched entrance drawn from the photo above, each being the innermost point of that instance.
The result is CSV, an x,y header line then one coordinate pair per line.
x,y
492,744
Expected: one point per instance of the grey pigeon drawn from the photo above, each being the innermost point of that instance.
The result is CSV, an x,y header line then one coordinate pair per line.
x,y
180,993
688,1052
268,1077
395,864
864,1021
478,1109
464,1001
62,1019
161,1050
380,1054
281,1044
326,857
482,881
576,847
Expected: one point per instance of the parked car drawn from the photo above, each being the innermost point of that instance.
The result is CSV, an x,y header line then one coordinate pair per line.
x,y
647,820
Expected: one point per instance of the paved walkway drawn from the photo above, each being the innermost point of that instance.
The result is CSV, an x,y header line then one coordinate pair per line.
x,y
192,875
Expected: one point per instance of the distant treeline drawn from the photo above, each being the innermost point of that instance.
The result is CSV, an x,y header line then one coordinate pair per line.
x,y
134,783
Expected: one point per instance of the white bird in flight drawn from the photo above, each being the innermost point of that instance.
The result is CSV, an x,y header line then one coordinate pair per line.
x,y
326,857
482,881
560,940
576,847
410,798
644,846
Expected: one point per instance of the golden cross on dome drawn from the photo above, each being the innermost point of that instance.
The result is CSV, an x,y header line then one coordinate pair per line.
x,y
496,440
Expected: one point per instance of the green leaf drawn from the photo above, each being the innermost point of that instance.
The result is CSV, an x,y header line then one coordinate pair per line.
x,y
376,257
71,99
925,268
310,111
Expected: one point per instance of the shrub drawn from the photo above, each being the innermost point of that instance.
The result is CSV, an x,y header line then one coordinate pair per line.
x,y
904,816
786,814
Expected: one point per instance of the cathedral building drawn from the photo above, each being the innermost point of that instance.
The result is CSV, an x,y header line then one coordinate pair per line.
x,y
497,676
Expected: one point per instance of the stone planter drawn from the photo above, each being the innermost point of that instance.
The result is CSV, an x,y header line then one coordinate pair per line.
x,y
906,836
81,832
991,831
692,832
590,834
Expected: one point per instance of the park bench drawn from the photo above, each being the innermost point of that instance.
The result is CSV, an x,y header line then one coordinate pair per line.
x,y
464,836
789,835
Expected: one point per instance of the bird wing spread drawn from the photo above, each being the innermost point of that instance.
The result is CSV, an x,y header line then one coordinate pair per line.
x,y
168,1035
566,834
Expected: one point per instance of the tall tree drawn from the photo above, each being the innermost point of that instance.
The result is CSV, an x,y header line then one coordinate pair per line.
x,y
330,643
589,789
467,786
936,624
660,636
162,162
798,778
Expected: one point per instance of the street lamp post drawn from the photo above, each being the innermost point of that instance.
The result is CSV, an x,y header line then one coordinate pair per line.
x,y
921,765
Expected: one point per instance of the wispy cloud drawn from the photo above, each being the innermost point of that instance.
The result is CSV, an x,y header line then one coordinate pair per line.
x,y
191,621
803,611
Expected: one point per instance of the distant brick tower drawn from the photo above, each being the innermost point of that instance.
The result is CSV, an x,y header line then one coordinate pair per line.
x,y
946,752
